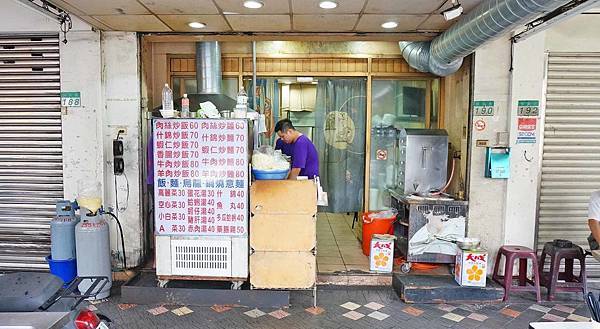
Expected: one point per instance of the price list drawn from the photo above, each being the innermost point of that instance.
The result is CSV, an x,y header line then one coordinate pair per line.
x,y
200,176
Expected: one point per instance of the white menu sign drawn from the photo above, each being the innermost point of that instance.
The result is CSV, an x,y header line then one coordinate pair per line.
x,y
200,176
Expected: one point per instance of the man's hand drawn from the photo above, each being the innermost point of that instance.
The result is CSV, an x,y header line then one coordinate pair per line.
x,y
294,173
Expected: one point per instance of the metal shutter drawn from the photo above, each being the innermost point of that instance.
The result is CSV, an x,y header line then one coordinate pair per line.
x,y
30,147
571,150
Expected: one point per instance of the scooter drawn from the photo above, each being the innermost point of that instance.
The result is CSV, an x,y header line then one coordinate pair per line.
x,y
41,300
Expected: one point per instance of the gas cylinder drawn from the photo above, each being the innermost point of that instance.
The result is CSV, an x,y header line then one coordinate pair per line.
x,y
93,250
62,231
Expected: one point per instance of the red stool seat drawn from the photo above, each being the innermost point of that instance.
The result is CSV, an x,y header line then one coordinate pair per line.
x,y
551,278
511,254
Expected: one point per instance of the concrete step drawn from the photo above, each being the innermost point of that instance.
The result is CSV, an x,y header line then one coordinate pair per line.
x,y
354,279
413,288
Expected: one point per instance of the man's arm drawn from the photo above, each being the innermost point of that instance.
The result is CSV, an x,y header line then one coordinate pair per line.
x,y
295,172
298,160
595,228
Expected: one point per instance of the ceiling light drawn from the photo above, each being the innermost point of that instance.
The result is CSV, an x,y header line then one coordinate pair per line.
x,y
253,4
328,4
389,25
197,25
454,11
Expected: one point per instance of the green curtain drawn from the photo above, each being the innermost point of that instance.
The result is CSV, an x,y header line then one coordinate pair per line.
x,y
340,140
267,103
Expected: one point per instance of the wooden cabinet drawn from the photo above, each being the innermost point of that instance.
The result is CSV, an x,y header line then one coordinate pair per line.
x,y
283,269
283,232
283,239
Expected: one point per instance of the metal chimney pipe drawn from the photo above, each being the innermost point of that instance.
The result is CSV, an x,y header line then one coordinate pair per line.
x,y
208,67
492,18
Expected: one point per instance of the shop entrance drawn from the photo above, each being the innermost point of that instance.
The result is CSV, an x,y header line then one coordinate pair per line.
x,y
344,104
331,112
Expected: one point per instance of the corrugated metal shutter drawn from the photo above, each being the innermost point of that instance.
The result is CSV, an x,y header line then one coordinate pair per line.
x,y
571,151
30,147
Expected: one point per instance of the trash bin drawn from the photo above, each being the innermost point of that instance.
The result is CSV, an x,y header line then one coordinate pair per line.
x,y
379,222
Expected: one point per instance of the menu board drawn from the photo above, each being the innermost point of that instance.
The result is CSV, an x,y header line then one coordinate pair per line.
x,y
200,176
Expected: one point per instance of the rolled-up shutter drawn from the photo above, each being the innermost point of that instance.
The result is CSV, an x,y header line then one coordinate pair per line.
x,y
30,147
571,151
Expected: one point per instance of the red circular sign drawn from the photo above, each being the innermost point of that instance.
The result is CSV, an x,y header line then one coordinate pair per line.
x,y
480,125
381,154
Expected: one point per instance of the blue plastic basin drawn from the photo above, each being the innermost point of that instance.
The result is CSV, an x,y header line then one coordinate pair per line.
x,y
64,269
270,174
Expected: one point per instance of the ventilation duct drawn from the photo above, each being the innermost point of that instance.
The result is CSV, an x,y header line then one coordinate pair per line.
x,y
444,55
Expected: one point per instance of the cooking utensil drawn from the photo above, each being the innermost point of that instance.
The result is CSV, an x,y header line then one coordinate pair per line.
x,y
468,243
462,243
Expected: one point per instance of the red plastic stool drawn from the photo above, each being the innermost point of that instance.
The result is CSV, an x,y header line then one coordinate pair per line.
x,y
511,254
551,278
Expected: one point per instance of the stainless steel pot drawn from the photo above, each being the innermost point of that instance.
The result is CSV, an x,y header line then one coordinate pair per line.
x,y
463,243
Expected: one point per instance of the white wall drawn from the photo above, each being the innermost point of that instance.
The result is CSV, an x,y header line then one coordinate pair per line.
x,y
504,211
577,34
122,100
527,83
17,17
486,196
82,126
104,68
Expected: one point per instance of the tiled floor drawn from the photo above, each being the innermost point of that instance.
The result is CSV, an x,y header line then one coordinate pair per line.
x,y
349,309
338,249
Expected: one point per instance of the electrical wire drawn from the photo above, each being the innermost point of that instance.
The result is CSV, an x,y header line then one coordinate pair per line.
x,y
122,240
449,180
117,207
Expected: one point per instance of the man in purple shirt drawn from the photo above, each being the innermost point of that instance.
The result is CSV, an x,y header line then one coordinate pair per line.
x,y
305,160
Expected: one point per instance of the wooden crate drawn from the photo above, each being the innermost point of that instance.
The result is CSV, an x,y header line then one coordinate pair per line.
x,y
283,197
283,270
283,232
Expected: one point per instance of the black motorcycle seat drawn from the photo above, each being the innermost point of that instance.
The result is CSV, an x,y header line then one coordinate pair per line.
x,y
27,291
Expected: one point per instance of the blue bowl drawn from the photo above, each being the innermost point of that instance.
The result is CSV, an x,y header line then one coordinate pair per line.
x,y
270,174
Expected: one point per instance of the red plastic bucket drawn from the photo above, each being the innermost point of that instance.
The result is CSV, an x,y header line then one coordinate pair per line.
x,y
375,226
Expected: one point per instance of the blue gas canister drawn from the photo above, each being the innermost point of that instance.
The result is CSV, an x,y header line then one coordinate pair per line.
x,y
62,231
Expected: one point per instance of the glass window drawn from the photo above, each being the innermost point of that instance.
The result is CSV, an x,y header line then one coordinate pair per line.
x,y
396,104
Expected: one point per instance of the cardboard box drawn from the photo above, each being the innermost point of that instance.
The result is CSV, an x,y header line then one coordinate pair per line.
x,y
471,268
382,253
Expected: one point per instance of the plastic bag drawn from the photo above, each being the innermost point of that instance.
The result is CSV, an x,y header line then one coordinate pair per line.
x,y
322,199
384,214
266,158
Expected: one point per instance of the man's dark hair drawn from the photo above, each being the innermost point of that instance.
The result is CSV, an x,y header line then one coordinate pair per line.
x,y
284,125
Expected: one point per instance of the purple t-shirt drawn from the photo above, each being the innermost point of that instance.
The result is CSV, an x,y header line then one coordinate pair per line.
x,y
287,149
304,155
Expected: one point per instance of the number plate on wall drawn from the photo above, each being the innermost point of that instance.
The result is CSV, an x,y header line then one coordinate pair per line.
x,y
483,108
70,98
529,108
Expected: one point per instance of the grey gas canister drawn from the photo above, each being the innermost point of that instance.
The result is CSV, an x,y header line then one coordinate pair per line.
x,y
62,231
93,251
